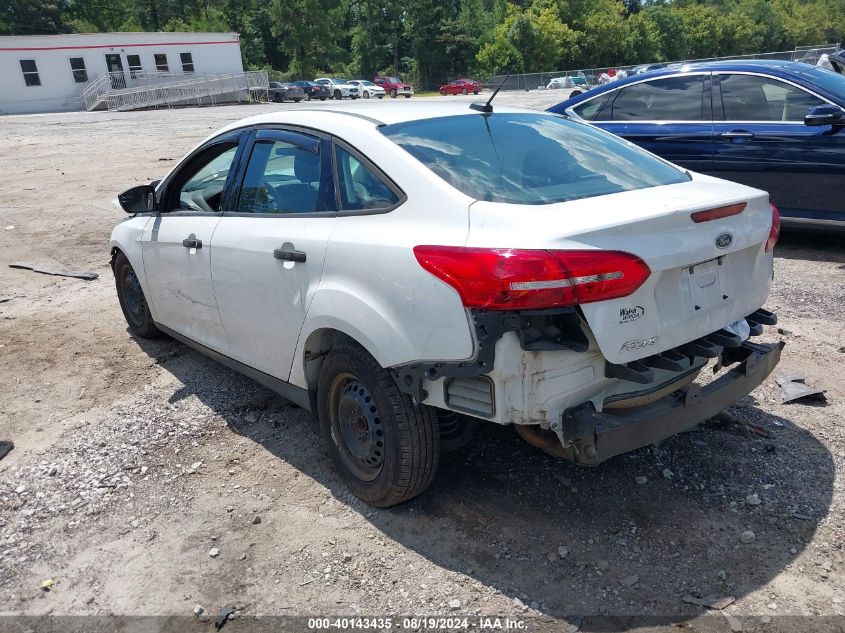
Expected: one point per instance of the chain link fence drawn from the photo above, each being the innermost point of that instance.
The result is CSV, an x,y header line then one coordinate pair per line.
x,y
589,77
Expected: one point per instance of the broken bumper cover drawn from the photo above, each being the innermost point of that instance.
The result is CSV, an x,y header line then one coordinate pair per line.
x,y
593,437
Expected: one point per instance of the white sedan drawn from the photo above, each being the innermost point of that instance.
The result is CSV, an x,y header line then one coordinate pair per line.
x,y
367,89
405,273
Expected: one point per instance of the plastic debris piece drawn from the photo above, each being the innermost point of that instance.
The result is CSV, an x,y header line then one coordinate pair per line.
x,y
711,602
54,270
792,388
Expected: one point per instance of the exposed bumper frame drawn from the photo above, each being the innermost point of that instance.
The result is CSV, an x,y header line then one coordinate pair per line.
x,y
592,437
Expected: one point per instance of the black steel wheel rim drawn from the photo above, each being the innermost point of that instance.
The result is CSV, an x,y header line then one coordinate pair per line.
x,y
356,427
133,297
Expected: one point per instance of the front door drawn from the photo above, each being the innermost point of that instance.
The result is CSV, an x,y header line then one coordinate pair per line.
x,y
114,65
177,245
668,116
760,140
268,258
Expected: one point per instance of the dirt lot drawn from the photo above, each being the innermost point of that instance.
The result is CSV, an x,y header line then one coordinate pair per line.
x,y
147,479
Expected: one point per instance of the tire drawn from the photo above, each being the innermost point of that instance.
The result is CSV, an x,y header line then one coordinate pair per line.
x,y
338,95
132,300
297,100
456,430
380,96
464,91
443,92
308,96
277,98
408,96
322,98
393,93
366,95
475,92
353,97
404,465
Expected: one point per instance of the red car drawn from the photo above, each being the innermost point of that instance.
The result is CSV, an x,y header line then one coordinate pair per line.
x,y
461,87
394,86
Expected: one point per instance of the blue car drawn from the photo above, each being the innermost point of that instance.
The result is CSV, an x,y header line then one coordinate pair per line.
x,y
774,125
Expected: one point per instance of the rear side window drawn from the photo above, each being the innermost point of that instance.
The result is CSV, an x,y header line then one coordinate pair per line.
x,y
281,178
669,99
754,98
527,158
361,188
593,109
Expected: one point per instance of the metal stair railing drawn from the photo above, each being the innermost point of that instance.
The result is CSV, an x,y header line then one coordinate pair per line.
x,y
183,91
117,91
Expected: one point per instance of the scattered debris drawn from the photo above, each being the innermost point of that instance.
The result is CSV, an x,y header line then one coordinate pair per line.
x,y
642,480
713,601
11,227
49,270
733,622
747,537
256,520
629,581
454,605
214,552
47,584
198,610
667,473
6,448
226,613
726,418
563,551
792,388
753,500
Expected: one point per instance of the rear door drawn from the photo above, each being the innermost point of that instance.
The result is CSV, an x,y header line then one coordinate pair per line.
x,y
269,251
176,244
669,116
760,140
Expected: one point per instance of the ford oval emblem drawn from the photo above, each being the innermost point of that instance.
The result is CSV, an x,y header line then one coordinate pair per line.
x,y
723,240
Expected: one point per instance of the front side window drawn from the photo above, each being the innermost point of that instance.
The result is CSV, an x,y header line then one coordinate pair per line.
x,y
187,62
135,68
668,99
529,158
202,186
77,67
755,98
161,62
361,188
30,72
281,177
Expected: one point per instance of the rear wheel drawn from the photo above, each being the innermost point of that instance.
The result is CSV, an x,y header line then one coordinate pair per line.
x,y
277,97
407,96
443,91
322,98
475,92
384,446
464,91
393,93
132,300
308,96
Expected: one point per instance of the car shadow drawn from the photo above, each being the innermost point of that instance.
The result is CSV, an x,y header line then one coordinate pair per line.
x,y
566,540
824,246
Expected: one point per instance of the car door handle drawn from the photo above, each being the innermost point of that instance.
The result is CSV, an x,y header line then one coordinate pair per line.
x,y
191,242
289,256
737,134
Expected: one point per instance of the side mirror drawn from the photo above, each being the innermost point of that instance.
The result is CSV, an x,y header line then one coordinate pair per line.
x,y
825,115
141,199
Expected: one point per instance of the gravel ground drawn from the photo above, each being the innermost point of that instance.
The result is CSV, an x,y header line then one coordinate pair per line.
x,y
148,480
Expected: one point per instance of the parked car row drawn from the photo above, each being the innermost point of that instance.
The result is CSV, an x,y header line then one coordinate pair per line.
x,y
338,88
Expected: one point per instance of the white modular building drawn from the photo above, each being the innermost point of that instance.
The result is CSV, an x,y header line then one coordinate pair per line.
x,y
49,73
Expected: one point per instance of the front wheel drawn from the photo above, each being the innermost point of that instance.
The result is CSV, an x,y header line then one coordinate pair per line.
x,y
338,95
132,300
308,96
277,98
464,91
385,447
407,96
443,92
366,95
393,93
322,98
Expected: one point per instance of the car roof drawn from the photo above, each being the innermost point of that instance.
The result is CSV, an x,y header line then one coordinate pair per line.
x,y
799,72
374,113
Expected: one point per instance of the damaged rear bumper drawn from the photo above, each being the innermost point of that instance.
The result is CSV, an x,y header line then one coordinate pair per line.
x,y
590,437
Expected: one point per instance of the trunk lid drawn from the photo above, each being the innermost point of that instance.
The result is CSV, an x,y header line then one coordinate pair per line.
x,y
704,276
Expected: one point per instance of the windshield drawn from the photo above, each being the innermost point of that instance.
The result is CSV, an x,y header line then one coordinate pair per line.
x,y
366,83
338,80
529,158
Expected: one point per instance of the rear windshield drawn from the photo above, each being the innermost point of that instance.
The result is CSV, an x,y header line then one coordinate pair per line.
x,y
529,158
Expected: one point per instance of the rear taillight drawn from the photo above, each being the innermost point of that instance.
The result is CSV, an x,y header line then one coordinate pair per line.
x,y
718,212
774,232
519,279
